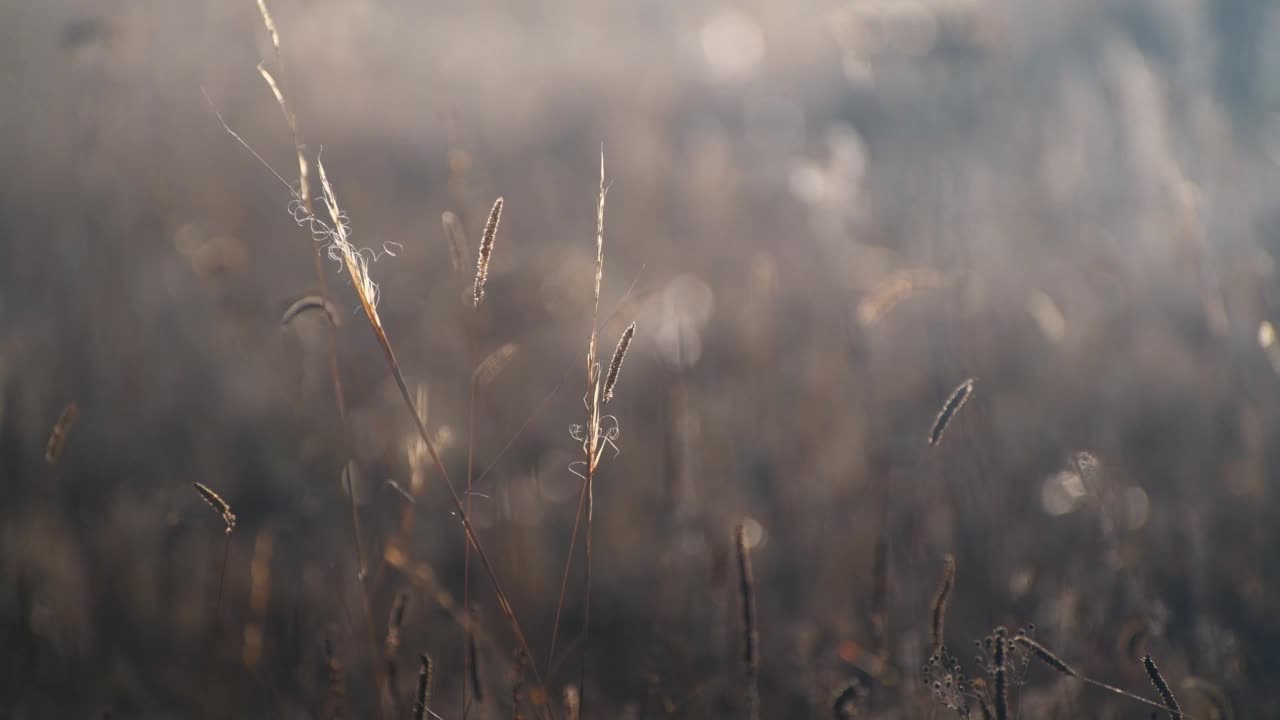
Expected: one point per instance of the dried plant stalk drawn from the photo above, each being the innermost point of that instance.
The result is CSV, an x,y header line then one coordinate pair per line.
x,y
750,633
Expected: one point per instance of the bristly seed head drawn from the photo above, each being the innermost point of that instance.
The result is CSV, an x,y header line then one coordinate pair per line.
x,y
58,436
486,250
420,706
218,504
1162,688
954,403
616,364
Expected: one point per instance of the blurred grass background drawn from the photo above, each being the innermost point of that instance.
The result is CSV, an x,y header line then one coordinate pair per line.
x,y
1081,191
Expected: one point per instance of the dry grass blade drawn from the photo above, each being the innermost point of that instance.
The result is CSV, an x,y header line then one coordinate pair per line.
x,y
58,436
486,250
615,365
367,292
750,633
218,504
304,187
312,302
948,412
938,615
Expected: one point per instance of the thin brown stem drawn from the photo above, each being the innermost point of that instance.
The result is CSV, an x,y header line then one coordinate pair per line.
x,y
469,643
504,602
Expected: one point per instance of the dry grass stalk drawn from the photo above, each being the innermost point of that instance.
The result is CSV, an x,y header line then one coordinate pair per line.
x,y
58,436
615,365
750,633
304,187
422,701
592,449
954,403
1000,689
456,236
938,615
1162,688
218,504
340,248
486,250
356,264
312,302
473,659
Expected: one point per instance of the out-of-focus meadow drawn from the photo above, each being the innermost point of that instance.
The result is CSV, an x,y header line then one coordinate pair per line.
x,y
823,216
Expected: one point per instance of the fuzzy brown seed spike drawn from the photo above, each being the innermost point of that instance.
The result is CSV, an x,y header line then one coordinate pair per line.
x,y
954,403
940,600
616,364
1045,655
492,366
750,635
218,504
486,249
423,698
1162,688
58,436
456,237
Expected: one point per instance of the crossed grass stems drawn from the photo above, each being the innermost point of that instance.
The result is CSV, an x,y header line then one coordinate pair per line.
x,y
600,433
